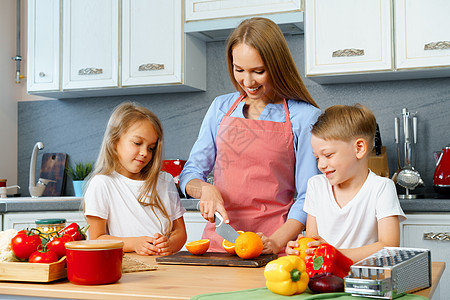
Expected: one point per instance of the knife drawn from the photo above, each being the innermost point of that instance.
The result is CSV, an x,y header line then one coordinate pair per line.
x,y
378,142
225,230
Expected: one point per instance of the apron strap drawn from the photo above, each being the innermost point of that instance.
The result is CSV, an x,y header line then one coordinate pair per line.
x,y
235,104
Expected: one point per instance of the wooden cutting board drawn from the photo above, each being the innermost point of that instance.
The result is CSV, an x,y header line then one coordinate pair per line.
x,y
54,168
215,259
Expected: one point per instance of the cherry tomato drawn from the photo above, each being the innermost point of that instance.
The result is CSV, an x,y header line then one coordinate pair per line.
x,y
24,243
43,256
57,244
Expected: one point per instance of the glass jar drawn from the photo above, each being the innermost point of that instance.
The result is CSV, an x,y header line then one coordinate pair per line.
x,y
50,227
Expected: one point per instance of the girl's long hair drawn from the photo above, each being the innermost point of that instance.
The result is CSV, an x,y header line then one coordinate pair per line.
x,y
266,37
123,117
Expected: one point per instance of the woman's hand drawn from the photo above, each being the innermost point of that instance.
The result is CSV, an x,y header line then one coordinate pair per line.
x,y
269,246
211,201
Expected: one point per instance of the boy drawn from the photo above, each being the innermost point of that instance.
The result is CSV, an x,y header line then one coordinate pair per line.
x,y
348,205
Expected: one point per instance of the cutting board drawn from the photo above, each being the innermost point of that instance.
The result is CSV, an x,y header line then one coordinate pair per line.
x,y
215,259
54,168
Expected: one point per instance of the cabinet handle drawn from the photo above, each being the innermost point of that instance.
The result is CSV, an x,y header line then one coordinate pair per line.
x,y
348,52
441,236
151,67
90,71
437,45
41,74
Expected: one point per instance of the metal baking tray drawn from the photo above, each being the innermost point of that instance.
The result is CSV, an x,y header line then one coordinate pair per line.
x,y
390,273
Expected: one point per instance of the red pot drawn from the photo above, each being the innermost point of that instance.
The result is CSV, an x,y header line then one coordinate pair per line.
x,y
94,261
173,166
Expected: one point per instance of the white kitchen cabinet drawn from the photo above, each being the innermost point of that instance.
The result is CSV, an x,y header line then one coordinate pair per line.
x,y
376,40
43,45
422,33
24,220
195,224
214,9
124,47
347,36
90,44
430,231
214,20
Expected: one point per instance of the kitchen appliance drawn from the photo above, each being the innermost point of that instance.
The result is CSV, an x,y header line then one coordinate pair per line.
x,y
173,166
408,177
390,272
441,178
215,259
225,230
94,261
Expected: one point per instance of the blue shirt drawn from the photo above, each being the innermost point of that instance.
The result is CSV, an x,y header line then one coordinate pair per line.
x,y
303,115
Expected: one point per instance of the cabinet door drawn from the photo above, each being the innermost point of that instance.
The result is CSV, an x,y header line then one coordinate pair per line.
x,y
151,42
43,45
90,43
430,232
23,220
422,33
195,224
347,36
213,9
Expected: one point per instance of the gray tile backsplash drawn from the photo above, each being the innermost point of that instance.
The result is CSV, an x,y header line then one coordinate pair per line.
x,y
76,126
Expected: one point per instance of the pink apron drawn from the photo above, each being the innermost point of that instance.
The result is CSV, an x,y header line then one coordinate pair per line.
x,y
254,171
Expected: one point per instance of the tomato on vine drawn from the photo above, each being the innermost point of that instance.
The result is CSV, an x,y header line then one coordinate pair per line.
x,y
25,242
43,256
58,242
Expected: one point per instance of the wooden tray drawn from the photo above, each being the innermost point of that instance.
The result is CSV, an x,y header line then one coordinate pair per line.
x,y
33,272
215,259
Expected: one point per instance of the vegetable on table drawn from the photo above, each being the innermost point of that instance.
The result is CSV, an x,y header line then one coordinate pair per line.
x,y
327,258
6,254
58,244
25,242
43,255
286,275
75,231
326,283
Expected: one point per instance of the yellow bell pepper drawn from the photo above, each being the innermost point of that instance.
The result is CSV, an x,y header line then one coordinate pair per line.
x,y
286,275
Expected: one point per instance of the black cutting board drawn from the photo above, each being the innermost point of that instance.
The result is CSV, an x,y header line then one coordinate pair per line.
x,y
215,259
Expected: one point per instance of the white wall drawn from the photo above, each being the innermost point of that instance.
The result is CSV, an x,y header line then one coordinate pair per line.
x,y
8,93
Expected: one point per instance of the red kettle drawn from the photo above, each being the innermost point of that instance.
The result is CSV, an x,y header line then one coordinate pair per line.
x,y
441,178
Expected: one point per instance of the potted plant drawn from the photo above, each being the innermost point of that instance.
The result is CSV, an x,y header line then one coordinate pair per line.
x,y
78,175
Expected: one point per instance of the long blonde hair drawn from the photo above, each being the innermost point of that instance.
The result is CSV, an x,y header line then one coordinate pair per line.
x,y
123,117
266,37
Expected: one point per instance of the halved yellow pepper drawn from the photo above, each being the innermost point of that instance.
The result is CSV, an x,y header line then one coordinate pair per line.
x,y
286,275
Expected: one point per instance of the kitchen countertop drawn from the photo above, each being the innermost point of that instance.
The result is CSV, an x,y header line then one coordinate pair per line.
x,y
428,204
167,282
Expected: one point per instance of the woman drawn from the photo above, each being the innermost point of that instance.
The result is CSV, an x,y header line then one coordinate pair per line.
x,y
258,141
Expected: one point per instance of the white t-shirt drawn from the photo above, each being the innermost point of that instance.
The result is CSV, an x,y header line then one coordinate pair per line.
x,y
114,198
355,224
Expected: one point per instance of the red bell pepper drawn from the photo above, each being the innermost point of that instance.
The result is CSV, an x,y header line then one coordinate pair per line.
x,y
326,258
74,231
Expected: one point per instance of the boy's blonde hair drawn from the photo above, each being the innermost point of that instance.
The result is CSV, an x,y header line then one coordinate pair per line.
x,y
266,37
344,123
123,117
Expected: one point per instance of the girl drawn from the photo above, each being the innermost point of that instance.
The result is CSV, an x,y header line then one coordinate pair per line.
x,y
127,197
